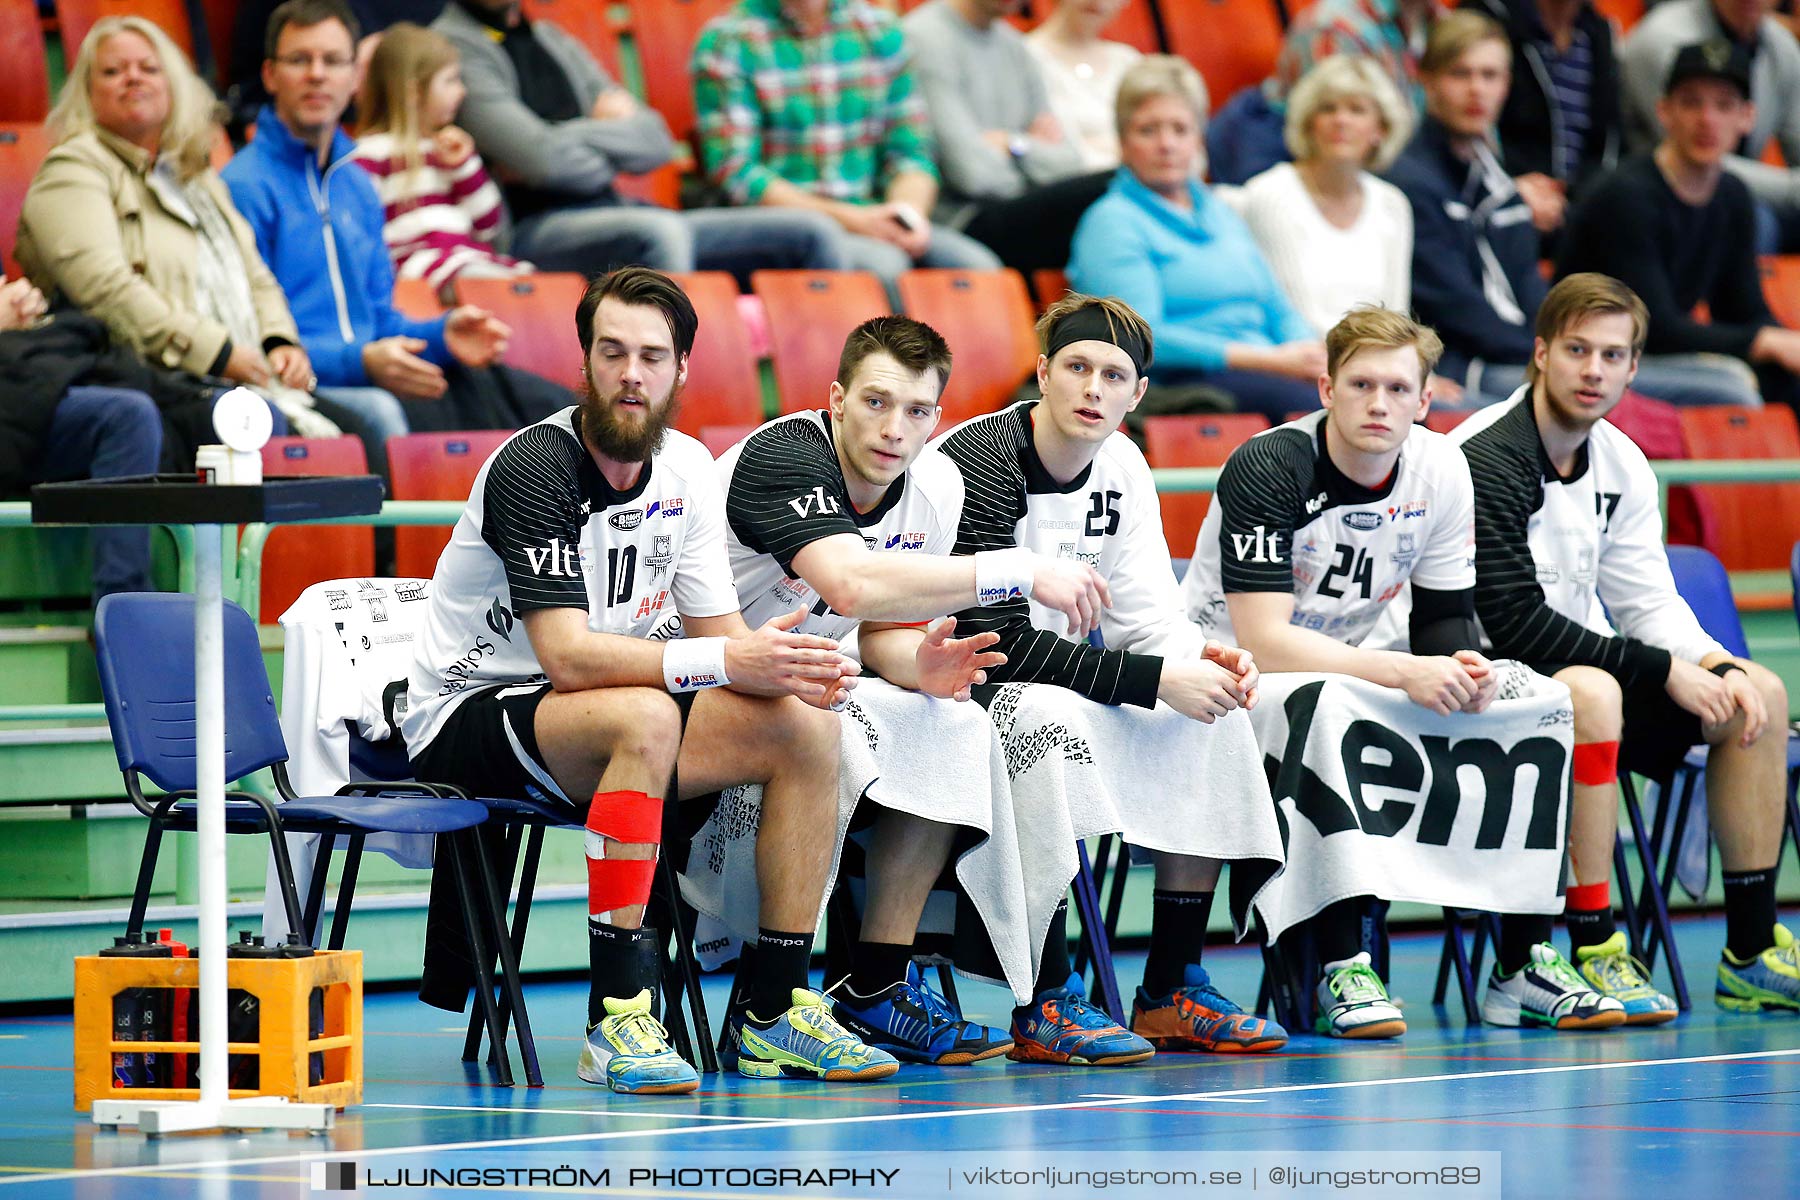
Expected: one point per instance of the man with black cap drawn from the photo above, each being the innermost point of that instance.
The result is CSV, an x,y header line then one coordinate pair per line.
x,y
1679,230
1149,736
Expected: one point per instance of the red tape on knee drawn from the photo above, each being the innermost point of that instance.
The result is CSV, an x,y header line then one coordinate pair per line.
x,y
629,817
1596,763
615,883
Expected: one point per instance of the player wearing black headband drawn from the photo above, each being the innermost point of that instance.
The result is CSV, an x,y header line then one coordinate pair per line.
x,y
1055,476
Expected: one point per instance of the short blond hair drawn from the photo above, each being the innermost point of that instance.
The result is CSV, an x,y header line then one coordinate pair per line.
x,y
1374,327
187,136
1456,33
1586,294
1335,77
1160,75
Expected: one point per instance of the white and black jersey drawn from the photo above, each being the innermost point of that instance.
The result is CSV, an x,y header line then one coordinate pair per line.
x,y
1554,555
1108,517
1285,519
544,529
784,490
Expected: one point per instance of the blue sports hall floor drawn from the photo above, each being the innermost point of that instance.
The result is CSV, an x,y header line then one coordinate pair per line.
x,y
1705,1107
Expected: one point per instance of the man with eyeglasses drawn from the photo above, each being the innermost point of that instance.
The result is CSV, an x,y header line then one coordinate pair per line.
x,y
318,225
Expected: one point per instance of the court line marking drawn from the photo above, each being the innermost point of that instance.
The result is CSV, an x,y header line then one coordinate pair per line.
x,y
575,1112
867,1118
1154,1099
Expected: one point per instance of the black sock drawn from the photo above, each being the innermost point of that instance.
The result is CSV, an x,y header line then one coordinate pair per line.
x,y
1337,930
780,967
1588,927
877,966
1749,912
1177,936
1519,932
1054,969
621,963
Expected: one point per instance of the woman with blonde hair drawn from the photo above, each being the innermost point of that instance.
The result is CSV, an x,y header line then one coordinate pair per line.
x,y
1082,71
443,213
127,221
1335,235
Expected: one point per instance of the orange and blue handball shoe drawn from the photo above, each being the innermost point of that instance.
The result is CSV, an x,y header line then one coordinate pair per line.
x,y
1060,1026
1198,1016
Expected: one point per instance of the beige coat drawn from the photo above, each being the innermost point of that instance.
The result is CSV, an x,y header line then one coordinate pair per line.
x,y
93,232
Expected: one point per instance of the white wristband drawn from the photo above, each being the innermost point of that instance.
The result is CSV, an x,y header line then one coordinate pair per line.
x,y
690,664
1003,575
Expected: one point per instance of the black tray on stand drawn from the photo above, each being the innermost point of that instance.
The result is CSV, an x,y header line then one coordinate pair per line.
x,y
183,500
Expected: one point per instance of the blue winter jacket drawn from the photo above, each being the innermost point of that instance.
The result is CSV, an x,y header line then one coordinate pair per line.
x,y
320,232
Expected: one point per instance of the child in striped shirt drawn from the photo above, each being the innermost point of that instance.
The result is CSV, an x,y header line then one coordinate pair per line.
x,y
444,214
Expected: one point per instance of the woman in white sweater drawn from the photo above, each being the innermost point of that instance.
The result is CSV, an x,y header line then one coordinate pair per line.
x,y
1081,72
1335,235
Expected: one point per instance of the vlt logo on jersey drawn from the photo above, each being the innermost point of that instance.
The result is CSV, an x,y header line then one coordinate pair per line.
x,y
1363,520
560,560
626,521
814,500
1257,546
906,541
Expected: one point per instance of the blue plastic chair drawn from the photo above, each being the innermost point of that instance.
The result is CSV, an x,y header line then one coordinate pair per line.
x,y
145,650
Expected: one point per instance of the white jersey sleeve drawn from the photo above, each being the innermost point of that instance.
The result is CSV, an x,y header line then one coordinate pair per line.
x,y
1447,563
702,585
1146,614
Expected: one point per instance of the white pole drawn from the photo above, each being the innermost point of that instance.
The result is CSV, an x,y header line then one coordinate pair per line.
x,y
209,772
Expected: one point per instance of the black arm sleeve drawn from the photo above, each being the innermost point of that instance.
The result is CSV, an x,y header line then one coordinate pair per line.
x,y
987,453
1443,622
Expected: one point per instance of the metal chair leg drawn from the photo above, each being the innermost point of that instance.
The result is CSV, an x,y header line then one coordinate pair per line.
x,y
512,991
340,920
474,918
1093,929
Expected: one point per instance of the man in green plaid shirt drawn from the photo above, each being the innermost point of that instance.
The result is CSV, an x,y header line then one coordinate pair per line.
x,y
811,104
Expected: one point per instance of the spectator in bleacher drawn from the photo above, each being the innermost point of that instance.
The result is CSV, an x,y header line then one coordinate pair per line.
x,y
1335,235
1012,180
853,144
1081,72
1167,246
1561,125
444,215
51,431
126,221
318,223
558,131
1475,249
1774,54
1678,228
1392,32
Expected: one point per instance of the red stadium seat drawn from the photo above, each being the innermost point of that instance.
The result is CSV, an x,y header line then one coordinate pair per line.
x,y
1623,13
416,298
661,187
434,466
1233,43
724,386
587,22
1444,420
22,150
810,315
221,28
541,311
991,356
1781,287
719,438
25,84
76,17
1193,441
664,33
1050,285
296,557
1755,524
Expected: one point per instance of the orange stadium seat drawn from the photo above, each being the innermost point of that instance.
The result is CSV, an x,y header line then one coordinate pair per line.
x,y
1781,287
25,84
587,22
296,557
1623,13
719,438
1135,26
541,311
1050,285
664,33
661,187
1193,441
434,466
723,385
1444,420
1755,525
810,315
416,298
1197,31
22,149
76,17
992,355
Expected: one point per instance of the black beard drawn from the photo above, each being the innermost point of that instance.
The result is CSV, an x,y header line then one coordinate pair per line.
x,y
613,439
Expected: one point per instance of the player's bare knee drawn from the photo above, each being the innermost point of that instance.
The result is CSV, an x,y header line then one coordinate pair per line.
x,y
806,737
1598,703
1772,690
645,725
